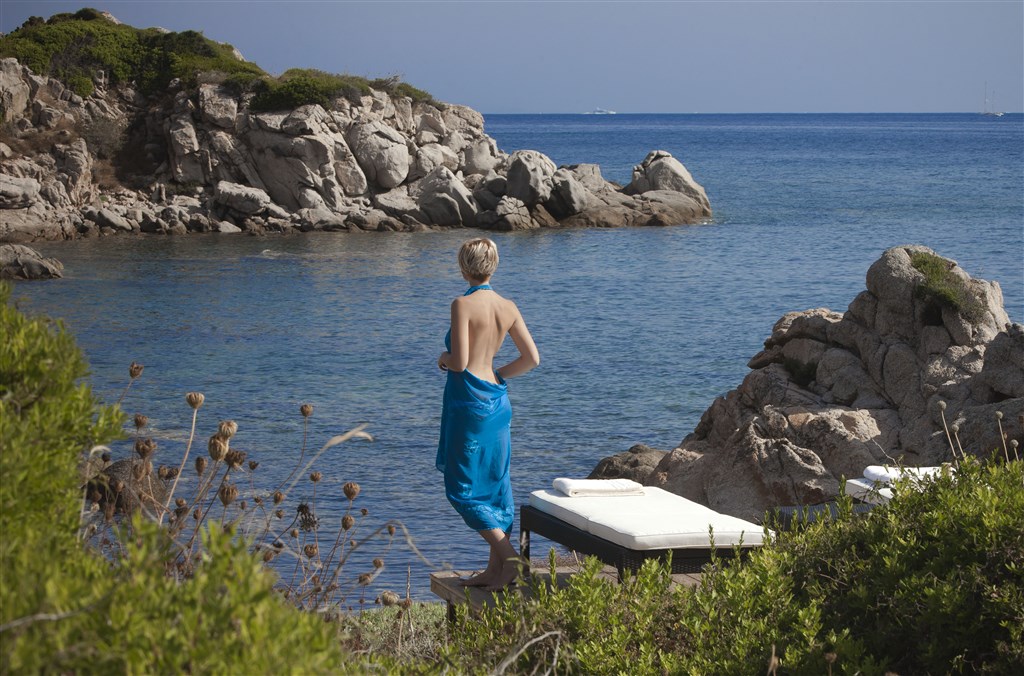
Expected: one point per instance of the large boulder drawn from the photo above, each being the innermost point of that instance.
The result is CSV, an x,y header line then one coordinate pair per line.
x,y
218,106
22,262
440,190
14,90
18,192
382,153
923,349
529,177
243,199
661,171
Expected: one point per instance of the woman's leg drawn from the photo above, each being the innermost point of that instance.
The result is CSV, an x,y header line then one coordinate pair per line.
x,y
488,575
502,564
501,545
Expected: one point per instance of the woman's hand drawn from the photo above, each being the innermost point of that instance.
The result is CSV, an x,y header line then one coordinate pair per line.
x,y
442,361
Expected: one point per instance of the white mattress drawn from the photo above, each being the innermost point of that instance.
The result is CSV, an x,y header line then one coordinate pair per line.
x,y
868,491
885,475
656,520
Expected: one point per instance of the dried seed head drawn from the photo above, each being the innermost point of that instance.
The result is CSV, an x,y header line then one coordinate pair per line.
x,y
347,522
406,604
218,447
279,513
118,486
364,511
145,447
234,459
310,551
365,579
167,473
389,598
195,399
830,658
227,494
278,497
268,556
999,415
1013,443
227,428
278,545
391,529
302,509
243,505
180,502
306,410
135,370
378,563
942,406
315,477
142,469
200,465
140,421
351,490
258,500
954,428
295,532
197,514
253,465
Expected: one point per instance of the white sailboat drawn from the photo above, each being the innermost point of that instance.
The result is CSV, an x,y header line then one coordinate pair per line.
x,y
988,107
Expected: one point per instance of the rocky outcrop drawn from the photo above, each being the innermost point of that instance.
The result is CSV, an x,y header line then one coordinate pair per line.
x,y
203,161
832,393
21,262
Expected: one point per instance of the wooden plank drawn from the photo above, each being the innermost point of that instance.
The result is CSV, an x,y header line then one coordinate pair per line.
x,y
445,584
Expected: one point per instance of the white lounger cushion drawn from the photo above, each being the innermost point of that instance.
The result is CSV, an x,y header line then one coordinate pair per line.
x,y
868,491
885,474
656,520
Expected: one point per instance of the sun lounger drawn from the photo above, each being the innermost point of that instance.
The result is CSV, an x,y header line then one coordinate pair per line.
x,y
624,530
874,488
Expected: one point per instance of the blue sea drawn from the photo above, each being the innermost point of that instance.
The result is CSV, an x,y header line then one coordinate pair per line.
x,y
639,329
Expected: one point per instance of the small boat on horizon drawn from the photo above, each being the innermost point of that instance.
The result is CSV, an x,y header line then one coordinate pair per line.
x,y
600,111
988,107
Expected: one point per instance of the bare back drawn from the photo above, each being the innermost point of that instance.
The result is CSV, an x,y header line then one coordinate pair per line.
x,y
480,323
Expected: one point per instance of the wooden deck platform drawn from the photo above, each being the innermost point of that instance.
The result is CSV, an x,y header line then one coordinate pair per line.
x,y
445,584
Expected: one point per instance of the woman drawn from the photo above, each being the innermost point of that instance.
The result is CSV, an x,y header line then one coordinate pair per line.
x,y
475,446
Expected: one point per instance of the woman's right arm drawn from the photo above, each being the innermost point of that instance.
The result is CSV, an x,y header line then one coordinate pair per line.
x,y
529,357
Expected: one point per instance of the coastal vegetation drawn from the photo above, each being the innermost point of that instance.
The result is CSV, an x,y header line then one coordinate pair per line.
x,y
76,47
930,583
944,288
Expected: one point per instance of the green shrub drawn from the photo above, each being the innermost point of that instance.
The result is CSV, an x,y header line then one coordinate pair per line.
x,y
64,609
931,583
300,86
73,47
944,287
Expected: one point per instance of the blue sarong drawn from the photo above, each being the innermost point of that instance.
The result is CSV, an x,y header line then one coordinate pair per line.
x,y
475,449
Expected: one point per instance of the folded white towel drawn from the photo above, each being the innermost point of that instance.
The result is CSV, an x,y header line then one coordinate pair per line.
x,y
885,474
587,488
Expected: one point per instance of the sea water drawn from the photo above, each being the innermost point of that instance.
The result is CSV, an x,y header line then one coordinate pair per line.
x,y
638,329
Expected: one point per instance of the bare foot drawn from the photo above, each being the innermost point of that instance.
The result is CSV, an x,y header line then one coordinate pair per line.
x,y
479,580
509,574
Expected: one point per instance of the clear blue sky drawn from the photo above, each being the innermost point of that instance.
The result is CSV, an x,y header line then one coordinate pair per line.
x,y
662,57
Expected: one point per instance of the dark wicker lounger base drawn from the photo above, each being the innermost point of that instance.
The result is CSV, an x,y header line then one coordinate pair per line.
x,y
688,560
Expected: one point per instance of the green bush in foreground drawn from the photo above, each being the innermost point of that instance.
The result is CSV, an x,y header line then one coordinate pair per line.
x,y
931,583
64,609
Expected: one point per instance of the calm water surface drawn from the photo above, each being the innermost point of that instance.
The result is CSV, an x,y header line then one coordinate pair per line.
x,y
638,329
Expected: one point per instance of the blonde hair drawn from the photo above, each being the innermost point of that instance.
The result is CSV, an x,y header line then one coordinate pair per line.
x,y
478,258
